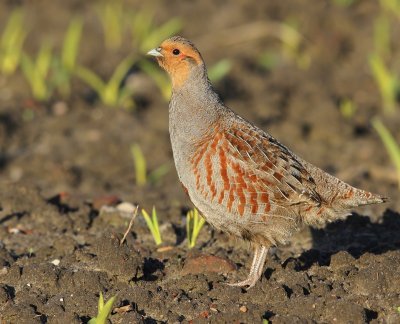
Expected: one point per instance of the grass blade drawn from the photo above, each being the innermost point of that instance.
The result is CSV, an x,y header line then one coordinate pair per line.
x,y
71,44
387,83
91,78
140,165
152,224
11,42
155,224
103,311
194,223
112,92
219,70
391,146
158,34
160,78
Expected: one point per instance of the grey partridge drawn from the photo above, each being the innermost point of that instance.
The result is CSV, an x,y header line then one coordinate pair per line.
x,y
242,180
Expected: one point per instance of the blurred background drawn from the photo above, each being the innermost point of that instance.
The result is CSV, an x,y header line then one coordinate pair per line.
x,y
84,111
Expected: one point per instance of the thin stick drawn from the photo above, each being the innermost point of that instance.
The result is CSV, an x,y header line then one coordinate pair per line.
x,y
134,214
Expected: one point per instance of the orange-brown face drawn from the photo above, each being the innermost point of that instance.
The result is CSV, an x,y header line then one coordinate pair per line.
x,y
177,56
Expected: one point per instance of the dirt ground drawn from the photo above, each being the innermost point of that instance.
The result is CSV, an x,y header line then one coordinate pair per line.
x,y
59,248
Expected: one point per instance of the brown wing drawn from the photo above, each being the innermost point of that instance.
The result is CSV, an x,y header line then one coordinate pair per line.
x,y
249,172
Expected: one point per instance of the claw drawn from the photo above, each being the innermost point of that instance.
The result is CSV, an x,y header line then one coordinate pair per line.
x,y
256,269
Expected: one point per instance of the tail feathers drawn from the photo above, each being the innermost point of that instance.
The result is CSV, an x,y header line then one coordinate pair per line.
x,y
356,197
339,208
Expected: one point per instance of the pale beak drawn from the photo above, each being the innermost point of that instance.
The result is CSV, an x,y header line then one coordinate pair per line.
x,y
155,52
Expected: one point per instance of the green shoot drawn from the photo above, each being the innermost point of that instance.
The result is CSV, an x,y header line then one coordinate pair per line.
x,y
152,224
347,108
11,42
37,71
146,35
269,60
159,77
382,36
391,6
194,223
387,82
140,165
219,70
391,146
103,310
71,44
111,14
65,66
265,321
291,41
110,93
156,175
398,309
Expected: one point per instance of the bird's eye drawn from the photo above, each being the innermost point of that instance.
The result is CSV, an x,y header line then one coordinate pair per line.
x,y
176,51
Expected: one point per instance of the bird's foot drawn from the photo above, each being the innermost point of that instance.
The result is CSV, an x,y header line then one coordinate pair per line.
x,y
250,281
260,253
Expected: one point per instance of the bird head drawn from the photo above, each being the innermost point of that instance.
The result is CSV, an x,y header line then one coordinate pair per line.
x,y
179,57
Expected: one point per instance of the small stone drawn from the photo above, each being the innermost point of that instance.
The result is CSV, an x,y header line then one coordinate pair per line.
x,y
60,108
126,209
243,309
123,309
56,262
109,200
207,263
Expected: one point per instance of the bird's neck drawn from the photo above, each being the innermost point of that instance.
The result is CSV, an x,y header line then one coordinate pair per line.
x,y
194,106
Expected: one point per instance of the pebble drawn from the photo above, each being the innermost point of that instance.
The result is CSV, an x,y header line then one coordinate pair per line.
x,y
207,263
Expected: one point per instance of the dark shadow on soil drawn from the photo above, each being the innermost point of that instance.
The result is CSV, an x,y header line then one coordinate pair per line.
x,y
357,235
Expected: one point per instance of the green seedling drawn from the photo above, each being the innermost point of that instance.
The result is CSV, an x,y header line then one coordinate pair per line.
x,y
387,82
64,66
111,14
265,321
382,36
111,93
219,70
152,224
391,146
347,108
159,77
146,34
71,43
194,223
140,164
103,311
291,41
11,42
391,6
269,60
36,72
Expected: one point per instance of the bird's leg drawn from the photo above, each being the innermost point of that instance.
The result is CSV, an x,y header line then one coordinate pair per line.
x,y
256,269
